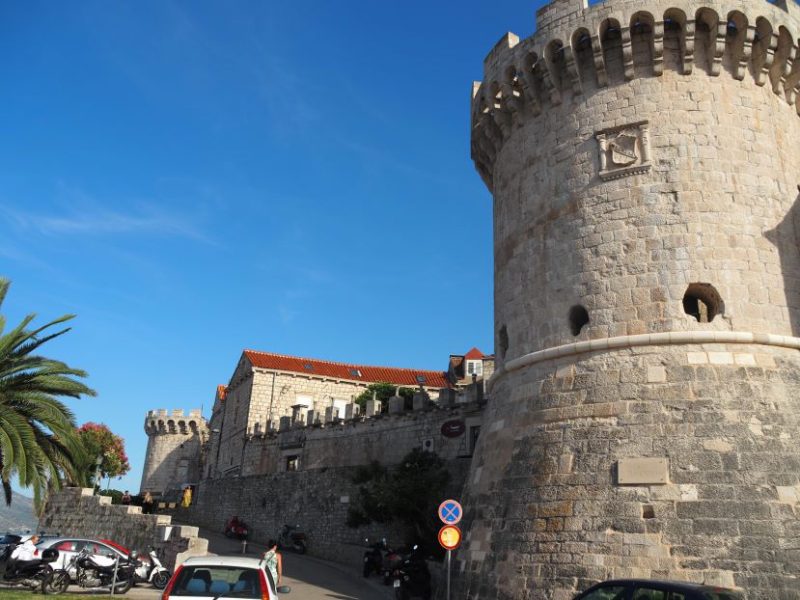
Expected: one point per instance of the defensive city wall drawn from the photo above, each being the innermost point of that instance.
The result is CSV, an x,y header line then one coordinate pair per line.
x,y
643,160
77,512
303,475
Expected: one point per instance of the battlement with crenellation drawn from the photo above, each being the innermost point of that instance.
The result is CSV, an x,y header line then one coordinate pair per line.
x,y
579,50
163,421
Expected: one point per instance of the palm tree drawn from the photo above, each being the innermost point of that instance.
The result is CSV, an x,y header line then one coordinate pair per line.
x,y
38,439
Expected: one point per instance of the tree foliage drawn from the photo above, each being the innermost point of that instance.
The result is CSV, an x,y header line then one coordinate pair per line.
x,y
99,441
38,441
408,494
382,392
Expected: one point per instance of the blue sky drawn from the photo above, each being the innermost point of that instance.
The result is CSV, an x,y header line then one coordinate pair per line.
x,y
195,178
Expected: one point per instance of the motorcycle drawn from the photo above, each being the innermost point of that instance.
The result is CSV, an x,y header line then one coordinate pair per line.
x,y
152,571
291,538
236,528
94,571
29,574
412,578
391,561
373,558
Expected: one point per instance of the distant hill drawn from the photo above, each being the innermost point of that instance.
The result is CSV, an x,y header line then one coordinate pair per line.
x,y
19,517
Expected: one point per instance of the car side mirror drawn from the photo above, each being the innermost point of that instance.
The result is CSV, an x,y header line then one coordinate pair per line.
x,y
284,589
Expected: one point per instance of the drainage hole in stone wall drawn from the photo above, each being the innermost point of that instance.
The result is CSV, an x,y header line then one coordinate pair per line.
x,y
578,317
703,302
648,512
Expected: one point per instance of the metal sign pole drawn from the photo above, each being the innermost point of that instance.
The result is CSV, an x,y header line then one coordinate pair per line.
x,y
114,578
449,552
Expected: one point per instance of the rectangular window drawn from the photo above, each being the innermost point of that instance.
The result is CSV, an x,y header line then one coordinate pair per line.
x,y
475,367
292,463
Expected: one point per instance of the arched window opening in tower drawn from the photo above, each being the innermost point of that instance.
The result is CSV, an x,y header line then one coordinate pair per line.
x,y
578,317
703,302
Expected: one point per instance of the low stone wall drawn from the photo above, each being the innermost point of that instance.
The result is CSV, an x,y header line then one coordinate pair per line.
x,y
77,512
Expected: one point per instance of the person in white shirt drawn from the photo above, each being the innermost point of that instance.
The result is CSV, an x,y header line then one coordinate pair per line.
x,y
25,553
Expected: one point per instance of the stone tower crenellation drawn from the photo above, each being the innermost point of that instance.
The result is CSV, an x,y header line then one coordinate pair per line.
x,y
174,445
644,164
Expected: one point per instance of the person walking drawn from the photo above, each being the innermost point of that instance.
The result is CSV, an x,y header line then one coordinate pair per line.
x,y
186,499
273,561
147,503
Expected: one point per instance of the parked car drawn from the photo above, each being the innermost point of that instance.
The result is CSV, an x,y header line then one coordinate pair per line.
x,y
643,589
215,576
68,547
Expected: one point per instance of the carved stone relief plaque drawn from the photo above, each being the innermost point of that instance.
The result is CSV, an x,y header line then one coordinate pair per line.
x,y
624,150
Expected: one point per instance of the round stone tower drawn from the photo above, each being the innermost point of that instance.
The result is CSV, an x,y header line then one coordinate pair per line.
x,y
174,448
644,159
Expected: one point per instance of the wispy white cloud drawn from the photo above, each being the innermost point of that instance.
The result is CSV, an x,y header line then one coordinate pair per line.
x,y
91,219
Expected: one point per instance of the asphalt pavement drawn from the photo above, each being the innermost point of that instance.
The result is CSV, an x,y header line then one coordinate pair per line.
x,y
310,578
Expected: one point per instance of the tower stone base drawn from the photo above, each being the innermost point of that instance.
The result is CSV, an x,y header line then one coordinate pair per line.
x,y
676,462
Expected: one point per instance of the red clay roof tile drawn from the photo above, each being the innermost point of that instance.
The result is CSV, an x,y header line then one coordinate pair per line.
x,y
474,354
364,373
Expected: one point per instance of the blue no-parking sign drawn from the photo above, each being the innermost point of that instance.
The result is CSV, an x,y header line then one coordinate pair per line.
x,y
450,512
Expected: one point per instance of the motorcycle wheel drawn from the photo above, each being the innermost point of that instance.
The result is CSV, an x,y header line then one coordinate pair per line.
x,y
400,593
55,583
301,548
366,570
161,579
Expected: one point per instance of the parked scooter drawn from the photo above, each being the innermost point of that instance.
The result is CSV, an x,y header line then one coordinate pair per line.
x,y
412,579
29,574
236,528
392,560
373,558
152,571
291,538
94,571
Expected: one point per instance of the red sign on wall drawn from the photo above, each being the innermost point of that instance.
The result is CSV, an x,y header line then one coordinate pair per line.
x,y
453,429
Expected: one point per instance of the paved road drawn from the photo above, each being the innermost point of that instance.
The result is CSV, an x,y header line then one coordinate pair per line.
x,y
309,578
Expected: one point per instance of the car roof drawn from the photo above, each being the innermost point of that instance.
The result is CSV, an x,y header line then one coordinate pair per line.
x,y
224,561
675,585
50,540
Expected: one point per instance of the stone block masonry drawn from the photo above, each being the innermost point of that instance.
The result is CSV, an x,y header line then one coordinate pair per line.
x,y
77,512
317,500
643,161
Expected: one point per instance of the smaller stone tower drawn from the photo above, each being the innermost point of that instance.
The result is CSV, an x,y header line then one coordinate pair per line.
x,y
173,450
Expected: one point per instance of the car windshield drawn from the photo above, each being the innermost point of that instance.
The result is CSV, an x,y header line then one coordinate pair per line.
x,y
213,581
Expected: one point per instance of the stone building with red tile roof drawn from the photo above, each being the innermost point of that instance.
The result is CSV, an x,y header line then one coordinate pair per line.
x,y
266,387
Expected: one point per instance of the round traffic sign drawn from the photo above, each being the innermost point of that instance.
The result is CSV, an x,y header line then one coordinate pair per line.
x,y
450,512
450,537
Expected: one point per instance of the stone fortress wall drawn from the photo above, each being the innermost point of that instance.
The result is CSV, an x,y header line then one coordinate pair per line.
x,y
317,495
644,164
361,439
77,512
174,446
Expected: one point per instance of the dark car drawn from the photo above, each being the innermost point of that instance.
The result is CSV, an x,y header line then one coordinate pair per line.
x,y
644,589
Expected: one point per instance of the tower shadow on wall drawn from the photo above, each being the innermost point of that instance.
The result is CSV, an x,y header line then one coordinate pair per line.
x,y
786,238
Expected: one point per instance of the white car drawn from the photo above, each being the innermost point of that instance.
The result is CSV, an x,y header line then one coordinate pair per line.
x,y
68,547
204,577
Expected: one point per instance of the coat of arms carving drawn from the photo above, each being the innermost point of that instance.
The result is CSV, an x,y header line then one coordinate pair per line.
x,y
624,150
